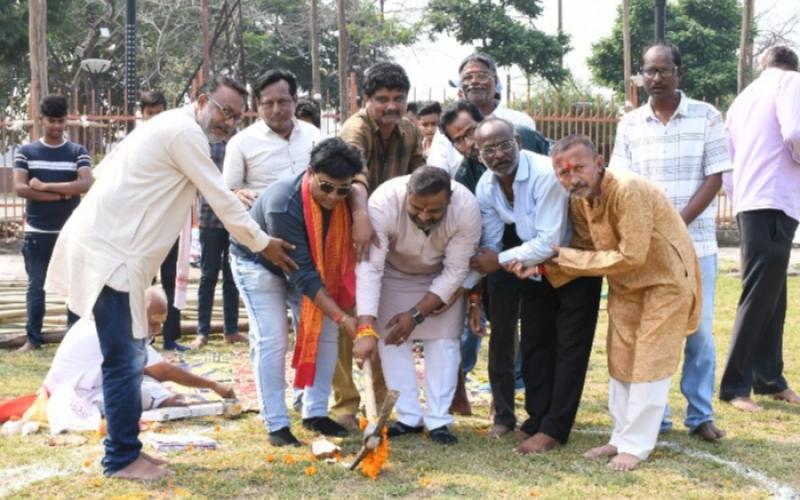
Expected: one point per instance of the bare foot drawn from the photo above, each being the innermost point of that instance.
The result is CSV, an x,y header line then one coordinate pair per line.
x,y
604,451
745,404
498,430
707,431
153,459
27,347
538,443
198,343
520,436
787,395
141,470
624,462
236,337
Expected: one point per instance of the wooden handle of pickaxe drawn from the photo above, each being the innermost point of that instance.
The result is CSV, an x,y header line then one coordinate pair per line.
x,y
370,405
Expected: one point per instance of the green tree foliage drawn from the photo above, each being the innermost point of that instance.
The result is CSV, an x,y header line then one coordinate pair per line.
x,y
706,31
503,29
275,33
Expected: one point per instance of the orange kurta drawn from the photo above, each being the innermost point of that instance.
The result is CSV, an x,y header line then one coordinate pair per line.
x,y
641,244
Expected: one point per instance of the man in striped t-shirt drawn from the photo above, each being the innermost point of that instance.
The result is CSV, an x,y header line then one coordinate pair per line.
x,y
680,145
50,174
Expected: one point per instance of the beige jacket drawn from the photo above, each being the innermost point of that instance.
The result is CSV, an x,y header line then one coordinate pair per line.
x,y
131,217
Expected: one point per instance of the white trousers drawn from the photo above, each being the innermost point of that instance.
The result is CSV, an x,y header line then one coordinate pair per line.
x,y
441,375
637,410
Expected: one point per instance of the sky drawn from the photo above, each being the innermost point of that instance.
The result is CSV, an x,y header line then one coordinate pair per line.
x,y
430,64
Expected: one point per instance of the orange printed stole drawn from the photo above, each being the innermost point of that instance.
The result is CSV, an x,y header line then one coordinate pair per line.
x,y
335,260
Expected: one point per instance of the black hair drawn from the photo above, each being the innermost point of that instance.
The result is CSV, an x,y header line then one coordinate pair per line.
x,y
386,75
673,50
412,107
218,81
781,57
274,76
53,106
335,158
565,143
428,108
482,58
152,98
308,109
450,114
428,181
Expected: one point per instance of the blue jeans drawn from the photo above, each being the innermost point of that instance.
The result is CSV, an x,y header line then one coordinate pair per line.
x,y
470,344
37,248
265,296
213,257
699,357
123,370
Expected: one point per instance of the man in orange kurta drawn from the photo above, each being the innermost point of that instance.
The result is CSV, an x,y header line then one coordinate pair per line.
x,y
625,228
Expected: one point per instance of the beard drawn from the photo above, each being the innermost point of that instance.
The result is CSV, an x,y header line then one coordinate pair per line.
x,y
426,227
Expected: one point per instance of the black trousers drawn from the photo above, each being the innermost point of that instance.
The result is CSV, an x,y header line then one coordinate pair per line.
x,y
504,314
169,271
558,326
755,356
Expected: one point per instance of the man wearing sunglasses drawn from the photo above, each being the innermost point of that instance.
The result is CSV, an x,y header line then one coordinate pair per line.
x,y
310,211
524,214
409,289
110,249
680,144
478,81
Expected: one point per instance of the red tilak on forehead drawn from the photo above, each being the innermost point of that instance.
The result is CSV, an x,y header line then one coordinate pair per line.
x,y
569,167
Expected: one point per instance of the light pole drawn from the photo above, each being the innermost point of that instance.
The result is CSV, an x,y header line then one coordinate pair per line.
x,y
95,68
131,83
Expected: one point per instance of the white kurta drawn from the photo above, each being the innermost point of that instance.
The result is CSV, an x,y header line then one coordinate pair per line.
x,y
123,229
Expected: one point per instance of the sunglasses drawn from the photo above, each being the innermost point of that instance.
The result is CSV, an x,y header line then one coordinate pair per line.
x,y
328,188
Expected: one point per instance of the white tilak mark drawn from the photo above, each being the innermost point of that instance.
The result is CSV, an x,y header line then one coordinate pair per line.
x,y
18,478
776,488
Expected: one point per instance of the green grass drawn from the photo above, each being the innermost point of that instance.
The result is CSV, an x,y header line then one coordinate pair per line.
x,y
767,442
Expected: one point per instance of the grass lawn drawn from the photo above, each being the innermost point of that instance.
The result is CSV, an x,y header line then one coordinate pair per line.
x,y
759,458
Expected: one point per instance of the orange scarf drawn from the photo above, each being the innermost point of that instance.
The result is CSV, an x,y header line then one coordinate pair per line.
x,y
336,264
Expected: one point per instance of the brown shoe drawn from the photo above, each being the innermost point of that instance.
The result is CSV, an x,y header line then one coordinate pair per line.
x,y
236,338
707,431
27,347
141,469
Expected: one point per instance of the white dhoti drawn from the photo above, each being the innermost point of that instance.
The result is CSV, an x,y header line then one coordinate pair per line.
x,y
440,335
636,410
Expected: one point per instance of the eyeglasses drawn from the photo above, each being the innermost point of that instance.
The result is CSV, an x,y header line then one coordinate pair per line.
x,y
652,72
328,188
505,146
225,111
477,77
468,134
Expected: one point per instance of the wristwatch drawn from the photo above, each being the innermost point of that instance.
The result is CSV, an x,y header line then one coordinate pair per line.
x,y
416,315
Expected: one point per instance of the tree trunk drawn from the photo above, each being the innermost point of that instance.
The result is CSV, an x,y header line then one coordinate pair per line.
x,y
206,45
344,46
316,87
745,45
37,43
626,50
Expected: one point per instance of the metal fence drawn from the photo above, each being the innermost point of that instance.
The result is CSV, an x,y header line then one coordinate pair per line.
x,y
554,118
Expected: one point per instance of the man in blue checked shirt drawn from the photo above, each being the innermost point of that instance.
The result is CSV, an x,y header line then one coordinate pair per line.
x,y
524,214
51,174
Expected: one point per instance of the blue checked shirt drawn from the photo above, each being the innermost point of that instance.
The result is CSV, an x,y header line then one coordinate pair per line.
x,y
208,219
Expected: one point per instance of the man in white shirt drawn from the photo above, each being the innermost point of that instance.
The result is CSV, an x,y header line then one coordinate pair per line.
x,y
478,79
76,368
679,144
110,249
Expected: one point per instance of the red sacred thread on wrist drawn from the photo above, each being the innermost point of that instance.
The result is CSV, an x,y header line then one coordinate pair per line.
x,y
339,318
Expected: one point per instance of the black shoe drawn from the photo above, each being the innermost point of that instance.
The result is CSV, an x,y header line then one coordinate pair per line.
x,y
175,347
396,429
442,435
324,425
283,437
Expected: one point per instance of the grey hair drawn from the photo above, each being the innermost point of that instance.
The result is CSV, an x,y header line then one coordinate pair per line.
x,y
565,143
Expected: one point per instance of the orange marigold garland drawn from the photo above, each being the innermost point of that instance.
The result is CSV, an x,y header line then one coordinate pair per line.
x,y
373,462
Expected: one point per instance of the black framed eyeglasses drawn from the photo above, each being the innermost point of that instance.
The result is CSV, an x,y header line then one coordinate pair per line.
x,y
328,188
505,147
652,72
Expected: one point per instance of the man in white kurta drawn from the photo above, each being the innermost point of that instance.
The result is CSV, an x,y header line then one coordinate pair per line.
x,y
111,248
428,227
